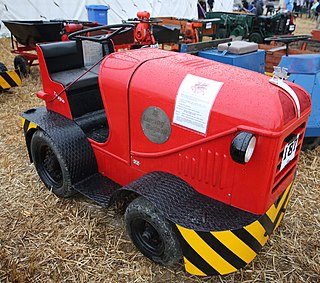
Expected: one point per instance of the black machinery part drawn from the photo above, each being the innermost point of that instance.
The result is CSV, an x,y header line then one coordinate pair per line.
x,y
287,39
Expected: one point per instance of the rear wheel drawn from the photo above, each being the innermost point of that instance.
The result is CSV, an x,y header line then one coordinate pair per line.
x,y
50,164
22,64
151,232
222,33
3,68
256,37
310,143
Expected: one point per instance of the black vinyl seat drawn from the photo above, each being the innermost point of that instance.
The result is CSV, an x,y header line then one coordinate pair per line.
x,y
65,63
69,76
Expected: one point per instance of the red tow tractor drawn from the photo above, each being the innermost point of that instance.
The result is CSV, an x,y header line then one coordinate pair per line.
x,y
203,154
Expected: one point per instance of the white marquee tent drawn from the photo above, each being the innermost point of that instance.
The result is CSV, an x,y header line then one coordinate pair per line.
x,y
119,9
223,5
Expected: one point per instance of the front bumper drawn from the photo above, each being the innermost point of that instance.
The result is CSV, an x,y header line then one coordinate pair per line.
x,y
223,252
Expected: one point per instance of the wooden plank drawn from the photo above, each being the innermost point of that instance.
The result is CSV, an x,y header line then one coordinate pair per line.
x,y
200,46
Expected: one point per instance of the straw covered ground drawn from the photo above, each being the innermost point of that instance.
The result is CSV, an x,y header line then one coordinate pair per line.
x,y
47,239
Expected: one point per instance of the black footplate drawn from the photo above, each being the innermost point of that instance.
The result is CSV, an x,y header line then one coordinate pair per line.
x,y
98,188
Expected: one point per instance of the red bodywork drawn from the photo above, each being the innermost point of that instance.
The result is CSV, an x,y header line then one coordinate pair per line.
x,y
132,81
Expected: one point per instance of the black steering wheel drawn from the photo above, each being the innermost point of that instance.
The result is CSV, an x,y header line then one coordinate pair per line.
x,y
108,32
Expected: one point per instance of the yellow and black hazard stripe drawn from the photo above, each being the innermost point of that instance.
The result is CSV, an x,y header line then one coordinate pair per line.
x,y
223,252
9,79
27,125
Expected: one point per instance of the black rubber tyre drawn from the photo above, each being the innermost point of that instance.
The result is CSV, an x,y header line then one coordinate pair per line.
x,y
310,143
22,64
222,33
256,37
151,232
50,164
3,68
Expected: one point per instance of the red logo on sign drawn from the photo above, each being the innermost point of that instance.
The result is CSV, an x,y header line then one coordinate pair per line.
x,y
199,88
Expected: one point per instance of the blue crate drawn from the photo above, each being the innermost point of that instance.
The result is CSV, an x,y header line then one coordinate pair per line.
x,y
98,13
254,61
304,70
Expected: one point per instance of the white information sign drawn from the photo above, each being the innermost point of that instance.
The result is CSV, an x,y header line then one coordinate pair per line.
x,y
289,152
92,52
194,101
208,25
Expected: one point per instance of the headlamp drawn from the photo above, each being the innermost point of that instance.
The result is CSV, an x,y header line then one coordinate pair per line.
x,y
242,147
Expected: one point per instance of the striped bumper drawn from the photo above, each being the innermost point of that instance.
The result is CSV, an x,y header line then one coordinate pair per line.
x,y
9,79
223,252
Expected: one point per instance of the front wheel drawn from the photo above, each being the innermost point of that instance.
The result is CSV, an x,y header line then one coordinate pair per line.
x,y
222,33
151,232
50,164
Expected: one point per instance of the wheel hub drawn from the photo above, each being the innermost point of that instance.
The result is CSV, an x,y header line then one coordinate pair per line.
x,y
51,165
148,237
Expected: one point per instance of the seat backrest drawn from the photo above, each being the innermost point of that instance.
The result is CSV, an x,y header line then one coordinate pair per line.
x,y
62,55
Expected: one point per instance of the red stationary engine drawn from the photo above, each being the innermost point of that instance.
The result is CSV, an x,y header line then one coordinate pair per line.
x,y
190,34
143,32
